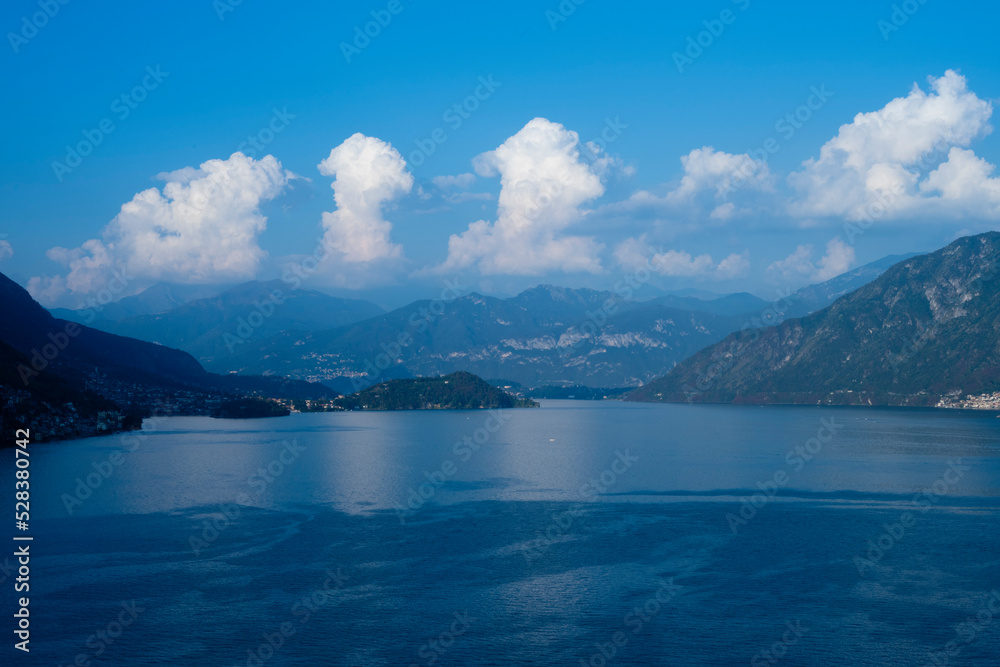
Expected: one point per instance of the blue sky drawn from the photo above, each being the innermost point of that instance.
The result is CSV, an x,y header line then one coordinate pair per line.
x,y
551,209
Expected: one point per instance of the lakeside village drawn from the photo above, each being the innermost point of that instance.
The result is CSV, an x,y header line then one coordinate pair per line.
x,y
109,406
971,402
127,404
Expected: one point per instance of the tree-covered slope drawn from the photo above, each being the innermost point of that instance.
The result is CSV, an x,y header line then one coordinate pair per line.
x,y
929,327
458,391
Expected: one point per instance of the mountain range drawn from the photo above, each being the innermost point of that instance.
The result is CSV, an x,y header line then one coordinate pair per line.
x,y
544,336
926,330
52,366
212,328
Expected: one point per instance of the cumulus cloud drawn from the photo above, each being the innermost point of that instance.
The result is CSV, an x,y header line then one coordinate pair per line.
x,y
203,226
878,164
966,181
719,173
543,183
6,250
635,253
368,175
799,267
715,186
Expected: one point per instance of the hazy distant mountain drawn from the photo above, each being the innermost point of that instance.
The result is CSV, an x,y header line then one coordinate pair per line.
x,y
928,327
79,357
156,299
545,335
730,304
816,297
214,328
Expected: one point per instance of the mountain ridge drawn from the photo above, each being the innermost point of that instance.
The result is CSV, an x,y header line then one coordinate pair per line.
x,y
927,328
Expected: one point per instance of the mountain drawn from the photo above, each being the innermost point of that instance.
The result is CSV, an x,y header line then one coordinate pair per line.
x,y
156,299
927,329
69,348
71,363
49,407
731,304
212,329
816,297
545,335
457,391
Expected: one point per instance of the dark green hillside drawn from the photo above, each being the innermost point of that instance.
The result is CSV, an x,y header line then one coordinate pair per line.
x,y
458,391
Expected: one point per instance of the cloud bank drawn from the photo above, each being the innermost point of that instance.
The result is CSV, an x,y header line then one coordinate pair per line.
x,y
904,160
202,227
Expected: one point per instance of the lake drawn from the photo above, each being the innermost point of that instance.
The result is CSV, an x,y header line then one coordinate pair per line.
x,y
593,533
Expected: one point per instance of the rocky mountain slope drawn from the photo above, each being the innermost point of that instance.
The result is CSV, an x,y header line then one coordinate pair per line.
x,y
926,329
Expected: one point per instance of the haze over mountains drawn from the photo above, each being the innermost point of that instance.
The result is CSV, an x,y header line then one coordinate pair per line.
x,y
77,379
212,328
544,336
901,332
927,328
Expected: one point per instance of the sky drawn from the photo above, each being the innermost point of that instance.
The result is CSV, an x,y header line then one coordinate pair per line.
x,y
384,149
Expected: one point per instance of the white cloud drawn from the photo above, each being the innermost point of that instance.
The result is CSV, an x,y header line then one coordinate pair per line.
x,y
877,161
202,227
457,182
543,185
368,174
718,172
966,180
716,186
634,253
799,268
734,266
6,250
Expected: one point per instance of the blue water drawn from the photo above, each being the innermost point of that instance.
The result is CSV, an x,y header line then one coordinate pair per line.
x,y
607,533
